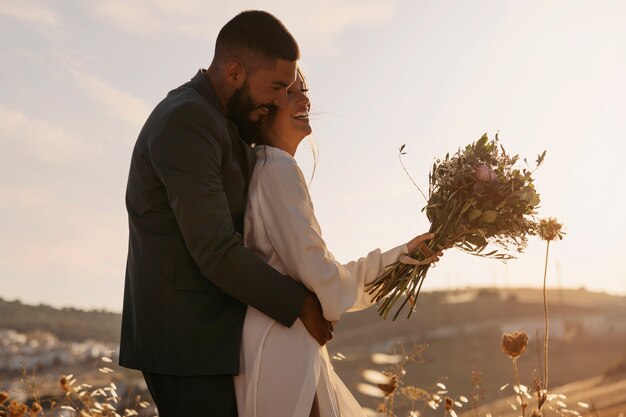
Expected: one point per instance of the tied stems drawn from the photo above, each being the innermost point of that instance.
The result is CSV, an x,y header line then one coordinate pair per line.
x,y
406,280
401,280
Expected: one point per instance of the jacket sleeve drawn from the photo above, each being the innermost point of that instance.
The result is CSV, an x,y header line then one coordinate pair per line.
x,y
186,156
286,210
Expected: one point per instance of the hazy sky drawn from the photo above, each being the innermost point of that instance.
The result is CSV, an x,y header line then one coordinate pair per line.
x,y
78,78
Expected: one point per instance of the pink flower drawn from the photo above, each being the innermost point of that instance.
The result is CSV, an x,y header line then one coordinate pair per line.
x,y
484,173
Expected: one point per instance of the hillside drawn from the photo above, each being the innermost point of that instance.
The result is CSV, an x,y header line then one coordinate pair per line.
x,y
437,311
462,329
67,324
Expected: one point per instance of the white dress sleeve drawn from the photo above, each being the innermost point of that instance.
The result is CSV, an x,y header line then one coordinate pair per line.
x,y
371,267
286,211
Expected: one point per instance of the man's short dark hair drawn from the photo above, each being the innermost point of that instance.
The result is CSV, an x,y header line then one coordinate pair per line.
x,y
255,34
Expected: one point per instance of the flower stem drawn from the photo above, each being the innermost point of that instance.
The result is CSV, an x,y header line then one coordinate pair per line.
x,y
545,312
386,404
411,178
519,386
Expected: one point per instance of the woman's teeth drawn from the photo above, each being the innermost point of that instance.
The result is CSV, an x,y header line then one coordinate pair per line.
x,y
301,115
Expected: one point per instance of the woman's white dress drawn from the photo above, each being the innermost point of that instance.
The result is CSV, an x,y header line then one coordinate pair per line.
x,y
283,368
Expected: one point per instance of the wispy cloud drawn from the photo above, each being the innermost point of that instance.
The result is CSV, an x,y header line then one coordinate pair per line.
x,y
118,103
157,17
318,28
59,233
29,11
332,17
21,198
131,16
201,19
42,139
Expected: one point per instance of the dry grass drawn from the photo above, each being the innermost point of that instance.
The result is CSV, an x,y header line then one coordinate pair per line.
x,y
603,396
77,399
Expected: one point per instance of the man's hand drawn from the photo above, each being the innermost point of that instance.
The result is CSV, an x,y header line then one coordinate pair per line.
x,y
313,319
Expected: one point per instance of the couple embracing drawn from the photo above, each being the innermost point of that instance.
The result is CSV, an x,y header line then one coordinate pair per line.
x,y
230,293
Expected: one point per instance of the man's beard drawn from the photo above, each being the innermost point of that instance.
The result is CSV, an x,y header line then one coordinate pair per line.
x,y
240,107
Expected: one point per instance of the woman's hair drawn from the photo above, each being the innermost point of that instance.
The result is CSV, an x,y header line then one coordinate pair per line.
x,y
261,138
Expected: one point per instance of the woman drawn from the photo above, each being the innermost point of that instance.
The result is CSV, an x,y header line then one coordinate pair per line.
x,y
284,371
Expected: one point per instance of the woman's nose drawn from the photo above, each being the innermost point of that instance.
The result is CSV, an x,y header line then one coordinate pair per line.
x,y
303,98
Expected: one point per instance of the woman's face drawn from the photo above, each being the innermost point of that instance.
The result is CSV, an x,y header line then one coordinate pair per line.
x,y
290,123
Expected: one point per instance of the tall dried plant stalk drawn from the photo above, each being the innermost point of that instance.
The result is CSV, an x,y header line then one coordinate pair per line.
x,y
547,322
549,230
514,344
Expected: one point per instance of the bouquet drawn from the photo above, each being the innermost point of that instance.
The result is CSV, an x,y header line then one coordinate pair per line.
x,y
477,197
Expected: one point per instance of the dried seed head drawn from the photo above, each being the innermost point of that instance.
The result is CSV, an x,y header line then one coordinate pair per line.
x,y
390,387
413,393
65,384
35,409
536,413
550,229
17,409
449,403
514,344
3,397
477,376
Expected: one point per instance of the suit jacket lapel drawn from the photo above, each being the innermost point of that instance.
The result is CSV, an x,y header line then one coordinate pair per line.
x,y
250,158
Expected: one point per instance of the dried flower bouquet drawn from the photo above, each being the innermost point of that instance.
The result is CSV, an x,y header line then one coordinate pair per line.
x,y
478,196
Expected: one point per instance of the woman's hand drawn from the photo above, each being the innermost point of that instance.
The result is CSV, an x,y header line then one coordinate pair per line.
x,y
415,243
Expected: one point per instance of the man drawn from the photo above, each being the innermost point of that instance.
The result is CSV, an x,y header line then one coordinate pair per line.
x,y
188,276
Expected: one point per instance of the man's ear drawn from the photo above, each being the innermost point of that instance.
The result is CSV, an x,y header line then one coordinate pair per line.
x,y
235,74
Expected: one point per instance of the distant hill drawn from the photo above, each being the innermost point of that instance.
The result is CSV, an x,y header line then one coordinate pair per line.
x,y
67,324
435,310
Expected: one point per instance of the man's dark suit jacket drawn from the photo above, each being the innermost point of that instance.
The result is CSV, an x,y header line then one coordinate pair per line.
x,y
188,275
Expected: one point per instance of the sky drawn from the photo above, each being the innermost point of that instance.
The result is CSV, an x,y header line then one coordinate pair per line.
x,y
79,78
